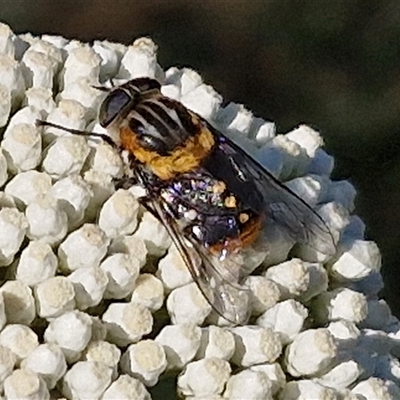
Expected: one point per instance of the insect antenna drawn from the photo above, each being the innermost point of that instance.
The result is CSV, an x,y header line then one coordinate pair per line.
x,y
101,88
102,136
104,88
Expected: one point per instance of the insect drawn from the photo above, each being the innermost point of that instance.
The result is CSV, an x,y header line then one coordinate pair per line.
x,y
211,196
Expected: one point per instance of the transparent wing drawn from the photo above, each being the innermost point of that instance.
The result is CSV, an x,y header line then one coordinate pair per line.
x,y
216,278
256,187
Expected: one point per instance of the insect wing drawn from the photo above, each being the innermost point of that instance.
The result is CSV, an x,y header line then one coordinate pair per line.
x,y
214,276
281,205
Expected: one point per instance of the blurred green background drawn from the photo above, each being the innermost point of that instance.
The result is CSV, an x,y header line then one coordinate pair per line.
x,y
332,64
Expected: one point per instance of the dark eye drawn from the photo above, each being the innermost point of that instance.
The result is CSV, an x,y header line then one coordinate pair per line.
x,y
113,105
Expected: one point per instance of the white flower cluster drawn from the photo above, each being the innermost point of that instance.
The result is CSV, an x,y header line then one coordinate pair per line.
x,y
82,313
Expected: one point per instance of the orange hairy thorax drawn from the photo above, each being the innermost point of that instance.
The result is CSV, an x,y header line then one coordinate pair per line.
x,y
184,159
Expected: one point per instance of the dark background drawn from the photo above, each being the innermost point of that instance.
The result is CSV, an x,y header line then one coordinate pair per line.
x,y
332,64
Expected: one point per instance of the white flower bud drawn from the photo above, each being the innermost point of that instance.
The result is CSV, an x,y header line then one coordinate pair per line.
x,y
19,304
236,303
378,314
291,276
357,260
336,218
299,279
375,388
5,104
82,62
354,230
188,79
172,270
104,352
127,322
306,389
54,297
71,332
187,304
82,91
126,388
68,113
20,339
340,304
255,345
47,221
38,69
25,385
74,194
119,214
28,186
154,235
287,318
86,380
7,363
342,375
23,147
66,156
144,360
235,118
58,42
346,334
171,90
275,374
180,342
216,342
139,60
278,244
265,131
36,264
203,100
89,284
48,362
50,48
288,159
249,384
310,188
11,77
6,40
41,99
342,192
148,292
102,188
109,59
204,378
122,272
26,115
83,248
131,245
307,138
321,164
311,353
13,226
107,160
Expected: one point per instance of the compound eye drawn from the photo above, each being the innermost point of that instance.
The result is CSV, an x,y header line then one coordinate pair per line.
x,y
112,107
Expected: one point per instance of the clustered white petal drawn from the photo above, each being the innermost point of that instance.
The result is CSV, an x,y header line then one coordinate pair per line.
x,y
97,304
